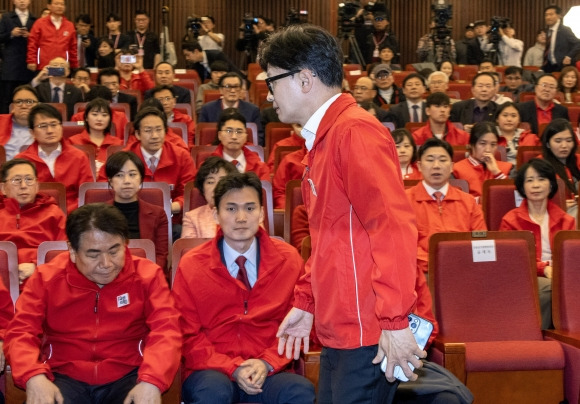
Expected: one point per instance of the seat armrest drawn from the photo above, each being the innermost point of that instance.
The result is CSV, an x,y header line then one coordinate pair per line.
x,y
563,336
454,357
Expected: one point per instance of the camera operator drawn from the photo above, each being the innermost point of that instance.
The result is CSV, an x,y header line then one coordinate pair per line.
x,y
252,32
435,48
210,39
381,35
510,49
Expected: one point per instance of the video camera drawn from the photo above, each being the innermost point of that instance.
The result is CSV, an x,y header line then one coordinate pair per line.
x,y
348,10
193,24
442,14
295,16
495,25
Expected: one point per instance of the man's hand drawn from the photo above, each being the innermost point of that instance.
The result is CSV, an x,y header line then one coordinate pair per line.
x,y
400,348
86,43
251,375
40,390
567,60
25,270
294,330
31,66
175,208
143,393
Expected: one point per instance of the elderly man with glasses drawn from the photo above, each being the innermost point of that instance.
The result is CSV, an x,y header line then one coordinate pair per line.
x,y
27,217
231,88
14,132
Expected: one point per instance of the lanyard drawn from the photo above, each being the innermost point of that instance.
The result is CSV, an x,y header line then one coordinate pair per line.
x,y
116,40
141,41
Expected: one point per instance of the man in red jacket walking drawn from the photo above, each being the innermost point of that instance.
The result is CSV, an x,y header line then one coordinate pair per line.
x,y
360,277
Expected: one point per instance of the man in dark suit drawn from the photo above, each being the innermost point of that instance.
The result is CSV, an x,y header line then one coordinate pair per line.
x,y
86,41
201,60
542,109
14,29
478,46
56,89
480,107
111,78
561,43
165,76
413,108
231,90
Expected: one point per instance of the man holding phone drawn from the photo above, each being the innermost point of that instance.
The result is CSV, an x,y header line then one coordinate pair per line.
x,y
14,31
51,37
56,89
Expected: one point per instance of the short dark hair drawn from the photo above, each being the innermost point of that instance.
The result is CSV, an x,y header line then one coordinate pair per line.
x,y
109,71
370,105
80,69
212,165
435,142
414,76
113,16
230,114
117,160
25,87
158,89
486,60
99,91
480,129
11,163
84,18
95,216
237,181
45,110
554,7
164,63
478,75
438,99
209,17
228,75
149,111
544,169
386,45
191,46
545,75
151,102
401,134
513,70
99,105
219,66
304,46
554,127
109,42
141,12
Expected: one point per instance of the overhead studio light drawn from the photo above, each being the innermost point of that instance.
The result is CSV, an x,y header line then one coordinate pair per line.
x,y
572,20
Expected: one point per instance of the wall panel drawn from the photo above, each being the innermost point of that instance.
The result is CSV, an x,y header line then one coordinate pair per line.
x,y
410,17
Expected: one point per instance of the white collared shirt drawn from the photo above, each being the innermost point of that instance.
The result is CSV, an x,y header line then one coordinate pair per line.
x,y
241,159
56,21
148,156
50,159
311,127
230,256
22,16
430,190
19,137
419,110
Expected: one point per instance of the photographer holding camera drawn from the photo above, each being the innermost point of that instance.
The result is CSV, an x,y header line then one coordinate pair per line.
x,y
252,32
210,39
510,49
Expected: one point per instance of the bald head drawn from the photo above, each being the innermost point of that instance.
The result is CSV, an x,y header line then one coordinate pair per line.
x,y
364,90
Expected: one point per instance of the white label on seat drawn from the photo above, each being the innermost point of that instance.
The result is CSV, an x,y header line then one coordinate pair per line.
x,y
483,250
355,72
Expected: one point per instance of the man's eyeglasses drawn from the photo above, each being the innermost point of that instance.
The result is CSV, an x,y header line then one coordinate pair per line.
x,y
547,86
20,103
45,126
382,76
18,180
270,80
231,87
231,131
165,99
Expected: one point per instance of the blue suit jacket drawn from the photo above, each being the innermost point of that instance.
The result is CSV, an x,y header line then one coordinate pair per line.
x,y
211,111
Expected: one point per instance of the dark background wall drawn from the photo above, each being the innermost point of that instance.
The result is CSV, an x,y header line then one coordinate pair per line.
x,y
410,18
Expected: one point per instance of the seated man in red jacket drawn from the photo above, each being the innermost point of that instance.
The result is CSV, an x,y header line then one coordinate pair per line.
x,y
27,218
167,98
232,292
438,109
95,325
438,205
233,135
56,160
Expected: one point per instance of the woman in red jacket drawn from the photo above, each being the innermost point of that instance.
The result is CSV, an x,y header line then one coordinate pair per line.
x,y
481,164
125,172
536,182
407,151
97,130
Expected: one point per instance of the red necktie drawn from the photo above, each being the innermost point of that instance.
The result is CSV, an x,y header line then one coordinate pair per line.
x,y
439,197
235,163
242,274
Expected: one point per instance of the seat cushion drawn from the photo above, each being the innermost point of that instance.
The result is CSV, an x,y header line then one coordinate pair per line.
x,y
513,355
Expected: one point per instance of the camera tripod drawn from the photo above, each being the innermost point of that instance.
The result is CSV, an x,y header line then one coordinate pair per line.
x,y
353,48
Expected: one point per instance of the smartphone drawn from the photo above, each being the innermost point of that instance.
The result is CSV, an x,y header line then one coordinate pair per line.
x,y
130,59
421,330
56,71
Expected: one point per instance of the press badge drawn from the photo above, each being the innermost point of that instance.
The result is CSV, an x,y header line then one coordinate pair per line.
x,y
123,300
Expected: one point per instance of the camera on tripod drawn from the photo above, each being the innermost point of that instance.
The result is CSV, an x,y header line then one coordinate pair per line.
x,y
442,14
295,17
495,25
193,24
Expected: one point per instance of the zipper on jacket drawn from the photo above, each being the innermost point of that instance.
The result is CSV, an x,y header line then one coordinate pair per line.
x,y
245,307
18,220
96,302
